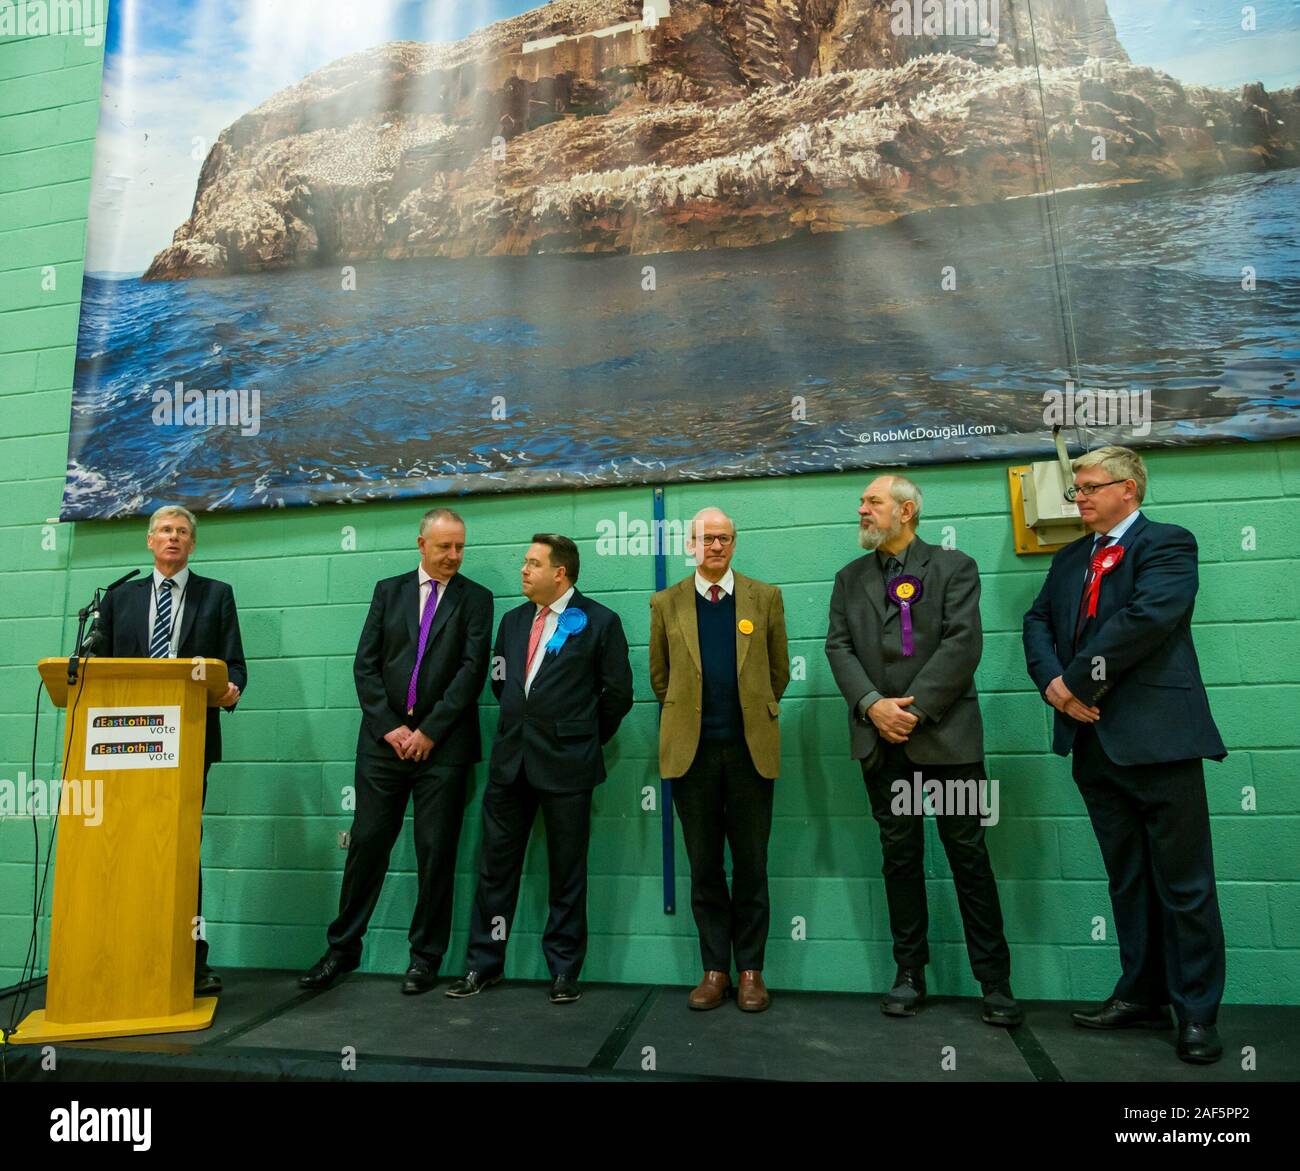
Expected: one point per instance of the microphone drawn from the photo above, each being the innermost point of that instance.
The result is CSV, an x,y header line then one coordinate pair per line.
x,y
88,640
124,578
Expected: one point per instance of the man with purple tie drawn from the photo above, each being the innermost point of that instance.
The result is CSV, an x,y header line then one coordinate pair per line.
x,y
419,669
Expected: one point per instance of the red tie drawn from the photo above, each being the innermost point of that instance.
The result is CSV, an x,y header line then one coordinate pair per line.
x,y
715,594
535,639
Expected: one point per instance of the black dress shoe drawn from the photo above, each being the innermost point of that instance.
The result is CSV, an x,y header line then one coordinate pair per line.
x,y
206,982
1199,1044
420,977
1119,1014
907,995
328,969
1000,1005
472,983
565,990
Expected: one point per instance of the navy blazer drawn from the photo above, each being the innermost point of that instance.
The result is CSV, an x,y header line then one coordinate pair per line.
x,y
574,707
1136,660
209,630
452,672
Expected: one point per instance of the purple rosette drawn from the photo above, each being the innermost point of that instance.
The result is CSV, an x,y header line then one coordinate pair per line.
x,y
905,592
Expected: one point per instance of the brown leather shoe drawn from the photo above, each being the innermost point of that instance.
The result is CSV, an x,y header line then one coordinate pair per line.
x,y
711,991
753,995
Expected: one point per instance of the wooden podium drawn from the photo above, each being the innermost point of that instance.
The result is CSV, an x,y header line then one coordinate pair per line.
x,y
126,879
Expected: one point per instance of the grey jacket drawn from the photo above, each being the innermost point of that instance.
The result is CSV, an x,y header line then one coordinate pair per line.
x,y
864,647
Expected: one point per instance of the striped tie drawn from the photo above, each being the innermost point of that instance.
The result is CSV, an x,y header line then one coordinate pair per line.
x,y
160,644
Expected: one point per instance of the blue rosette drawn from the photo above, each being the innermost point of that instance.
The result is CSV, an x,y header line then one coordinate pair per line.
x,y
571,622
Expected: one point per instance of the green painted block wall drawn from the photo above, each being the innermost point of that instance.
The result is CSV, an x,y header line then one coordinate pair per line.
x,y
272,861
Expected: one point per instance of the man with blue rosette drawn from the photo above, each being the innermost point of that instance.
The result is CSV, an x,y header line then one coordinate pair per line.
x,y
903,644
560,670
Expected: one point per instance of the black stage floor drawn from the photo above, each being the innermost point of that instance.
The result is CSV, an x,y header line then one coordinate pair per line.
x,y
266,1028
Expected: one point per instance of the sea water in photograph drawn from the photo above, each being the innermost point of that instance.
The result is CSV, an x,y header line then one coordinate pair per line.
x,y
929,339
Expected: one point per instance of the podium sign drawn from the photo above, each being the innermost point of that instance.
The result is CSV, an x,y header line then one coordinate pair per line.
x,y
126,882
124,737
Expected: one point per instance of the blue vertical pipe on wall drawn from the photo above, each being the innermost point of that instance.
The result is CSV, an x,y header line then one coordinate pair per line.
x,y
665,785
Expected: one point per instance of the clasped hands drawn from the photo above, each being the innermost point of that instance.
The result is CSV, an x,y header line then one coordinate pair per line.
x,y
408,744
1065,702
892,719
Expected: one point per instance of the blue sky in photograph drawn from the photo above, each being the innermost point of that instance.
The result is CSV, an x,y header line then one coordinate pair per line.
x,y
405,20
1202,42
1205,35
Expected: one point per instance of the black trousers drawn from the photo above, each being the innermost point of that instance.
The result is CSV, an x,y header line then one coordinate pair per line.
x,y
723,799
384,785
509,811
1152,823
902,842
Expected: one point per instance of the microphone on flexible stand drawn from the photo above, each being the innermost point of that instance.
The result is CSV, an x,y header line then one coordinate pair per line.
x,y
85,643
124,578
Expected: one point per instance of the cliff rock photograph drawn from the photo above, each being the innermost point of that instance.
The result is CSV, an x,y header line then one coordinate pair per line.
x,y
452,247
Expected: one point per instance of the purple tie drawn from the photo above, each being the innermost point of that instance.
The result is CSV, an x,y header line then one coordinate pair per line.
x,y
426,620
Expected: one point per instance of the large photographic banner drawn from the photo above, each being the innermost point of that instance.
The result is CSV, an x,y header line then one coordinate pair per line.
x,y
352,251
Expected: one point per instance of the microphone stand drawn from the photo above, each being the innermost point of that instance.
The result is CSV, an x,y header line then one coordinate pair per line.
x,y
86,639
82,638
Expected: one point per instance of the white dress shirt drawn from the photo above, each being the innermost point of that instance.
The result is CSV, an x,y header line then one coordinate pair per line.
x,y
1127,523
181,579
1116,533
727,585
548,628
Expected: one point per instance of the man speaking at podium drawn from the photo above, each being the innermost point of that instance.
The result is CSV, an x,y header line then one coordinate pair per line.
x,y
176,614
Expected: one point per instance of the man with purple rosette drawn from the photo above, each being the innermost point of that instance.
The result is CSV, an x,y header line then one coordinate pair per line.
x,y
1108,642
561,672
903,644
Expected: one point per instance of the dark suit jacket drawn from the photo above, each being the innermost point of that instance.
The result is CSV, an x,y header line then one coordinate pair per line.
x,y
574,706
452,672
209,630
864,646
1155,708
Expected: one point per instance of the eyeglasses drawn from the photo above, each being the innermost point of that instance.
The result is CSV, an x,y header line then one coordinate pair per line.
x,y
723,541
1089,490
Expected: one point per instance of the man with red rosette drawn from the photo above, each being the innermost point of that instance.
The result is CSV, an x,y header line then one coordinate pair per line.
x,y
1108,643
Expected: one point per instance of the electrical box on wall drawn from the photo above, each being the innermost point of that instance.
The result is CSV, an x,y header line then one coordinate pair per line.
x,y
1042,518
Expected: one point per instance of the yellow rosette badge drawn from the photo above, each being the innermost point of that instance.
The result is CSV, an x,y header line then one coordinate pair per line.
x,y
745,626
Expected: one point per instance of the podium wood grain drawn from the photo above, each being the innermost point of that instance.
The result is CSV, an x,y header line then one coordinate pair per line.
x,y
126,889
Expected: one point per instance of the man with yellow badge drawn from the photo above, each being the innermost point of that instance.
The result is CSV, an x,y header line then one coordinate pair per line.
x,y
719,664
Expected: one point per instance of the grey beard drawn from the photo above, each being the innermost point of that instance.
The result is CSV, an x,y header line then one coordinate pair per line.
x,y
871,538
